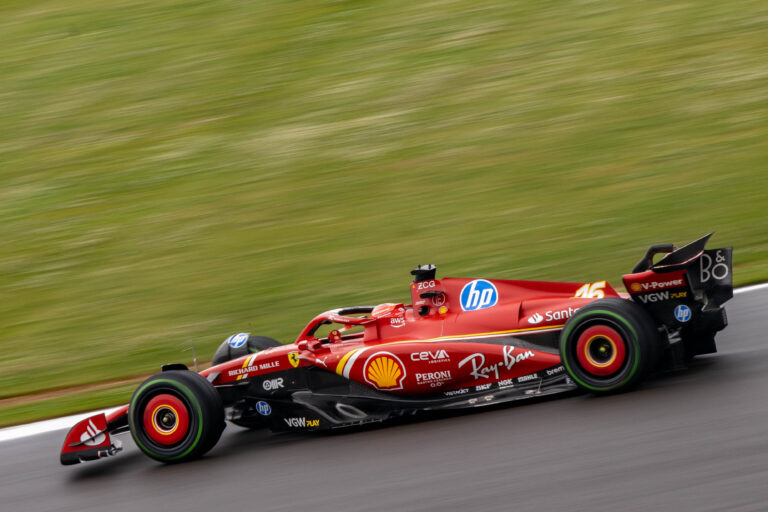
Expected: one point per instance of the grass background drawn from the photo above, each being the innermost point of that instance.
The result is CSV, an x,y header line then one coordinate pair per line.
x,y
172,172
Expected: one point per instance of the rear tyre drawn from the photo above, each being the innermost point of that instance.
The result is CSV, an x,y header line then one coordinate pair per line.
x,y
232,349
609,345
176,416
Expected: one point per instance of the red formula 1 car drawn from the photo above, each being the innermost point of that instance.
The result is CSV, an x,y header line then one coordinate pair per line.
x,y
462,343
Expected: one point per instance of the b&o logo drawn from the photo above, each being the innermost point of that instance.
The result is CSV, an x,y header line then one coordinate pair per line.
x,y
478,294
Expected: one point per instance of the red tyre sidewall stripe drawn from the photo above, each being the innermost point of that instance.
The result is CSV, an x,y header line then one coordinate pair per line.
x,y
156,432
595,333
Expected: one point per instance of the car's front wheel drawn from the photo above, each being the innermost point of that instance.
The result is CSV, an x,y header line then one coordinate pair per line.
x,y
176,416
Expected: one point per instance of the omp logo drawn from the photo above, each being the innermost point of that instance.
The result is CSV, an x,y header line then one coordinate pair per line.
x,y
273,384
384,371
237,340
478,294
535,319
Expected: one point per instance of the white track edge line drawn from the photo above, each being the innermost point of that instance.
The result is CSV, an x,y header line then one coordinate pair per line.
x,y
42,427
750,288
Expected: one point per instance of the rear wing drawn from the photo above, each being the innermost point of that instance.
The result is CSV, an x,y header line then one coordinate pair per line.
x,y
686,287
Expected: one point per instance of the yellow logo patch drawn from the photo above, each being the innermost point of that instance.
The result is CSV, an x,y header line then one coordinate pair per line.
x,y
384,371
293,358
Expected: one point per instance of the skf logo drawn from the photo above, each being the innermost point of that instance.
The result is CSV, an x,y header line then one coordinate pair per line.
x,y
293,358
385,371
478,294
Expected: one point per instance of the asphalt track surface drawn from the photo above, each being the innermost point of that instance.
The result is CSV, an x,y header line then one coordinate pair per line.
x,y
695,440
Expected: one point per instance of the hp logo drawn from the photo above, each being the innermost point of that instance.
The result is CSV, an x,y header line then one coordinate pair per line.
x,y
478,294
682,313
263,408
237,340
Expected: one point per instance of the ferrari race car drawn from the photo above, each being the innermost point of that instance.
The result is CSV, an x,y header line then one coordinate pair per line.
x,y
461,343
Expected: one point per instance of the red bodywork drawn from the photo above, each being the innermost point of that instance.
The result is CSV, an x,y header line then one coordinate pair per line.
x,y
400,349
434,345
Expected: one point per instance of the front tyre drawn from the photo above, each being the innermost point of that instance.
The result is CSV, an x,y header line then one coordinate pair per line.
x,y
176,416
609,345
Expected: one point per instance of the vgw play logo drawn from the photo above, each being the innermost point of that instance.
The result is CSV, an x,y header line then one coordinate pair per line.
x,y
478,294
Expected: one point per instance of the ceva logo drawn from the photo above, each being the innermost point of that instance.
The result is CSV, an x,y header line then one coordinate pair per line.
x,y
478,294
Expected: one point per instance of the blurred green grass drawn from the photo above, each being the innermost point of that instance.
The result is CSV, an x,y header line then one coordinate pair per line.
x,y
75,402
176,171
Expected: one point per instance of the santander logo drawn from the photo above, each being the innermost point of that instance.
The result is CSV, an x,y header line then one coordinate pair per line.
x,y
557,315
535,319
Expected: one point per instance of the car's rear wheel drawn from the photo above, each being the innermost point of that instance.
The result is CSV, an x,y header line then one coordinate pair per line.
x,y
176,416
234,347
609,345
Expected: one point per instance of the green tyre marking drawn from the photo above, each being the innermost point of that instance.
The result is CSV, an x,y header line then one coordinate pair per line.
x,y
188,393
634,340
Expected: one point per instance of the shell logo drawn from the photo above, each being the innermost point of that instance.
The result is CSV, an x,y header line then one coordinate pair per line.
x,y
384,371
636,287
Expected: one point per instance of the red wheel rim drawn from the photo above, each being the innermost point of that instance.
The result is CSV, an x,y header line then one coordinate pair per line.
x,y
166,419
601,350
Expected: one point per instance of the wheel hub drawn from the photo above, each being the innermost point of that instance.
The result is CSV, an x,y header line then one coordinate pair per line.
x,y
601,350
